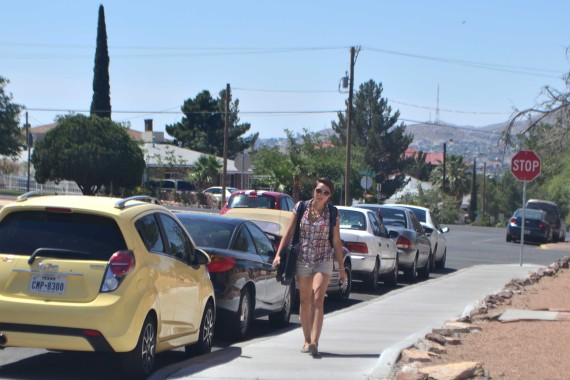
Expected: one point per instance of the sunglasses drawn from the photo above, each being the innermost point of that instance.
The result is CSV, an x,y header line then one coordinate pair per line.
x,y
325,192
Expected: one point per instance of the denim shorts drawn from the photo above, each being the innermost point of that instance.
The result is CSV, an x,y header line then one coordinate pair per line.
x,y
303,270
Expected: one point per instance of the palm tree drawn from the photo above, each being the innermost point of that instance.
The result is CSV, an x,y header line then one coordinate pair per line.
x,y
456,184
206,170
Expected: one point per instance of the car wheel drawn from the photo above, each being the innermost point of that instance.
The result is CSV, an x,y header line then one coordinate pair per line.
x,y
411,273
509,238
343,294
138,363
392,278
424,272
441,263
281,318
372,282
206,337
238,326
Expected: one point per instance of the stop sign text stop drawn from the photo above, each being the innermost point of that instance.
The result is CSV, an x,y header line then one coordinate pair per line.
x,y
525,165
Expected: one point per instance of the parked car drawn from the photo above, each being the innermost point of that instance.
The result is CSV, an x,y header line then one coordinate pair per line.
x,y
553,217
217,192
435,232
414,247
241,270
259,199
169,185
373,253
536,226
102,274
275,223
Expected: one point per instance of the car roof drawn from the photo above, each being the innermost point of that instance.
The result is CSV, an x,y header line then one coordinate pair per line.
x,y
410,206
210,218
541,201
86,203
261,192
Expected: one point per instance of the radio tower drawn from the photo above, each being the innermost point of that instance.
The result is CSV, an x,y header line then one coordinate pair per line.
x,y
437,107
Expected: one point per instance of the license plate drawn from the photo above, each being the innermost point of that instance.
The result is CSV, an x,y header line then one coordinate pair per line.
x,y
527,232
49,284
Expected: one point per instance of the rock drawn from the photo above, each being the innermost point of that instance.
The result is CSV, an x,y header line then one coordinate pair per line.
x,y
437,338
409,372
430,347
453,371
414,356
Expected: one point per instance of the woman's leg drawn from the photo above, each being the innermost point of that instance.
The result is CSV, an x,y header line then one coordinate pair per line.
x,y
319,290
306,306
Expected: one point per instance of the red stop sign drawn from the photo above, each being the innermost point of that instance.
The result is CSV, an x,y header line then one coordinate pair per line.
x,y
525,165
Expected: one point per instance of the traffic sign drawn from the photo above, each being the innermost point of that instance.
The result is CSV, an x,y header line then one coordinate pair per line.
x,y
366,182
525,165
242,162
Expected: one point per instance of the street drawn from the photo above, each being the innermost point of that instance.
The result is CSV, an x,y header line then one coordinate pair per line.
x,y
467,246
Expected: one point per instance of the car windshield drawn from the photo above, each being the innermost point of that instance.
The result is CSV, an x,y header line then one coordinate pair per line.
x,y
209,234
21,233
394,217
352,220
421,214
251,201
530,214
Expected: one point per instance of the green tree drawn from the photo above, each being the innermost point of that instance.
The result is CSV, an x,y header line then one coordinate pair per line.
x,y
202,127
375,129
92,151
418,167
456,183
206,171
11,137
101,102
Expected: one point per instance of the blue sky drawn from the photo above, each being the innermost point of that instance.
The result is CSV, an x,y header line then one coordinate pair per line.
x,y
284,59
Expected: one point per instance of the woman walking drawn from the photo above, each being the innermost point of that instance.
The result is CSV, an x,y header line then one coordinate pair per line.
x,y
319,240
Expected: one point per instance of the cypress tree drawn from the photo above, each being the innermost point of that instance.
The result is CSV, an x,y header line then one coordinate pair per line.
x,y
101,103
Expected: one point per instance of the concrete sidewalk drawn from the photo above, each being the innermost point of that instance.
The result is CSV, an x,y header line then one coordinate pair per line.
x,y
360,342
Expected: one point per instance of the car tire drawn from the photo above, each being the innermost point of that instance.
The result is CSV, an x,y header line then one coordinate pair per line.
x,y
281,318
412,273
372,282
424,272
138,363
206,336
441,263
392,278
509,238
237,327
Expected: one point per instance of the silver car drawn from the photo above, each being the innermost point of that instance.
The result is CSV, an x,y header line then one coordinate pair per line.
x,y
435,232
374,254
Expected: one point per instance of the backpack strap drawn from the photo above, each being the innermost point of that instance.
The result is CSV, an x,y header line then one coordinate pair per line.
x,y
300,211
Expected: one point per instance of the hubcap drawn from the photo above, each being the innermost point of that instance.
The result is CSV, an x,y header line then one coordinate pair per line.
x,y
148,347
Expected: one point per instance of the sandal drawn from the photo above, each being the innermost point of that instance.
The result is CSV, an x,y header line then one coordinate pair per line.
x,y
305,349
313,350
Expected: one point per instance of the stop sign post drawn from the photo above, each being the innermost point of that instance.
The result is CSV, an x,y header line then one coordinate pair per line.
x,y
525,166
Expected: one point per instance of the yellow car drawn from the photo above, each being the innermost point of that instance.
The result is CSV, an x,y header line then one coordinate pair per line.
x,y
81,273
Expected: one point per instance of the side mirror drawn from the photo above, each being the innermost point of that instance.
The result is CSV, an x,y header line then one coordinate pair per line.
x,y
444,229
392,234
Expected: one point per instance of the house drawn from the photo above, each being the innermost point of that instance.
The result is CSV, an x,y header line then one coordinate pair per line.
x,y
162,159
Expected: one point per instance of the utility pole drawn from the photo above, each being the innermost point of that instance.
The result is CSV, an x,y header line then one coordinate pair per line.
x,y
353,53
444,164
29,147
226,122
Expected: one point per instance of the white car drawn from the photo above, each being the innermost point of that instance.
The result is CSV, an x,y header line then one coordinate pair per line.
x,y
216,191
374,254
434,231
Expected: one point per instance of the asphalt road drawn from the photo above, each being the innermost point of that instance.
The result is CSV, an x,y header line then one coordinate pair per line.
x,y
467,246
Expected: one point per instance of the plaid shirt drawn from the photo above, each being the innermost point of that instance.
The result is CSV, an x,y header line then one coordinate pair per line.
x,y
315,247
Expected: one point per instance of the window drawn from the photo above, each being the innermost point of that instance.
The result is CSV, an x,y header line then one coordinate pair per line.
x,y
262,243
149,232
21,233
244,242
178,245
